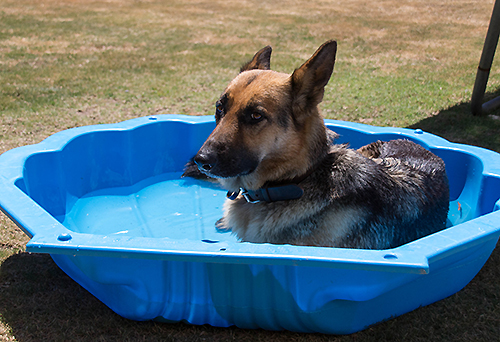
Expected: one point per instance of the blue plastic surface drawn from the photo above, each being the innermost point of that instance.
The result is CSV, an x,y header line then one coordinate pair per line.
x,y
107,203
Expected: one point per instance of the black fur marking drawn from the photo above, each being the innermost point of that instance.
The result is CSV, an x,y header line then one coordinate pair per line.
x,y
406,192
283,116
220,108
251,79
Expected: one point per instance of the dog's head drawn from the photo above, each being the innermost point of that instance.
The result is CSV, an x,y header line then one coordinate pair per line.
x,y
268,127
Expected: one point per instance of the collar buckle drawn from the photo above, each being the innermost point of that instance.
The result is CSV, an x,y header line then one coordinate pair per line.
x,y
248,196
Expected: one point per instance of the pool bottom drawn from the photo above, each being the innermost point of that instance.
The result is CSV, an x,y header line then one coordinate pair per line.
x,y
301,299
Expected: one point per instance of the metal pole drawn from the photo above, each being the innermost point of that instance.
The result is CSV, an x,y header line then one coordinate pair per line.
x,y
483,70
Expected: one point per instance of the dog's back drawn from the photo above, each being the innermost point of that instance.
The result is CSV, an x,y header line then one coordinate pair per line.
x,y
410,199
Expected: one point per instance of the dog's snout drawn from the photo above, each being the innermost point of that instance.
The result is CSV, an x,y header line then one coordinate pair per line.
x,y
205,160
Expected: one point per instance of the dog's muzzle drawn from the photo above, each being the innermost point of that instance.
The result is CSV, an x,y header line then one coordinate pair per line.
x,y
221,164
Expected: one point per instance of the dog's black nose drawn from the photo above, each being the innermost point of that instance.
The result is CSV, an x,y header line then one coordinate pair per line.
x,y
205,161
205,167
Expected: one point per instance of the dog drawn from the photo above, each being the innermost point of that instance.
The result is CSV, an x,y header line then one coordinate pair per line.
x,y
290,183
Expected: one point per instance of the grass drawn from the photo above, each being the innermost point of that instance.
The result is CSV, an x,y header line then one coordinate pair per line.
x,y
71,63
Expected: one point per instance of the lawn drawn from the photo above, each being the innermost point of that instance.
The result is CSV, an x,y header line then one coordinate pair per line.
x,y
68,63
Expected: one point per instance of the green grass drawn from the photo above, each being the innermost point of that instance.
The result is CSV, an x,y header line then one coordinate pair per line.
x,y
73,63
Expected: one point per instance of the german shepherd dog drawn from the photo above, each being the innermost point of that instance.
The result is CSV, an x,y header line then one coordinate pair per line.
x,y
289,183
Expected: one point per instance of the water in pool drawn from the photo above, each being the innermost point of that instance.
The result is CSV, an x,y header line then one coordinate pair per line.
x,y
158,207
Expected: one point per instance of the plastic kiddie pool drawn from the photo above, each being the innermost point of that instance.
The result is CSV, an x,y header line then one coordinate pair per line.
x,y
107,202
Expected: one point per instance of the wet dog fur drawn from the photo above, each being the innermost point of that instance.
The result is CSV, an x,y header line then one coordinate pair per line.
x,y
269,131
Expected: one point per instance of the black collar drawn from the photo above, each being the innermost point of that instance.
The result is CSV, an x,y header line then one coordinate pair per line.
x,y
274,191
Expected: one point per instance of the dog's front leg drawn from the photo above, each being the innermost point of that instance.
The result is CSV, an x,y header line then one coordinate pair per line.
x,y
221,226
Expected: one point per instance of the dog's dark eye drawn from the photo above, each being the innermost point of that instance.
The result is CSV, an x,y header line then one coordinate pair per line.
x,y
253,115
256,116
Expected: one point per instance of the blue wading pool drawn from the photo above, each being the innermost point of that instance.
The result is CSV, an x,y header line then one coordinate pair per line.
x,y
107,202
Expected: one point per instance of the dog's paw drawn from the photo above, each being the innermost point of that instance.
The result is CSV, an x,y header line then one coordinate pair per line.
x,y
221,226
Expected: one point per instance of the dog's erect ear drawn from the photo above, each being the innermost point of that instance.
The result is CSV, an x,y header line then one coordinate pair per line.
x,y
309,81
261,60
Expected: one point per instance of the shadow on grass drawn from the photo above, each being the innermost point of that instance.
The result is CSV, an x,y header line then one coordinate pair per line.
x,y
41,303
458,125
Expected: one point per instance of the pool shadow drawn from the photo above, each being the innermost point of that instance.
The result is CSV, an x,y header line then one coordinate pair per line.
x,y
457,124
